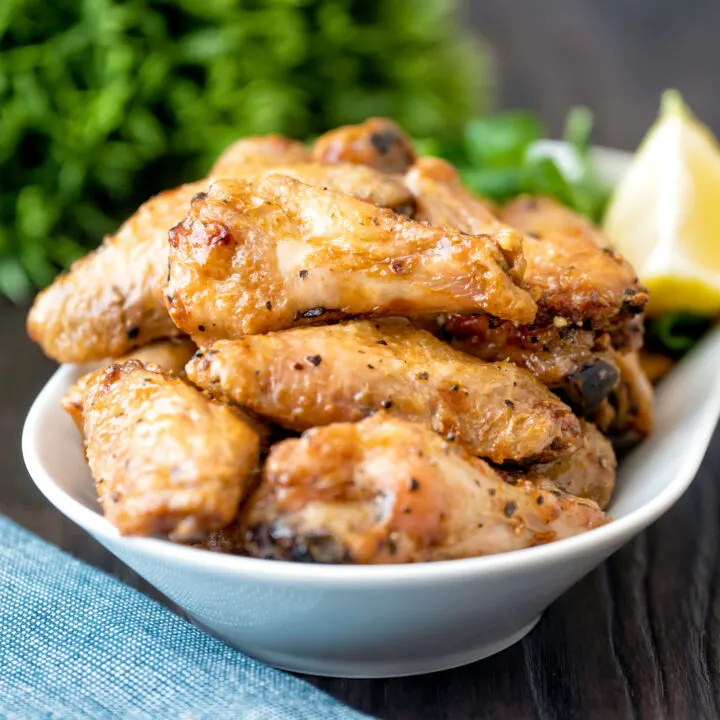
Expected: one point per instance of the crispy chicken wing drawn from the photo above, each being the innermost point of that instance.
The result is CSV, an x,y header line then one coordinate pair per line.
x,y
251,258
111,300
258,151
169,355
165,458
589,472
378,143
389,491
319,375
541,217
569,276
578,364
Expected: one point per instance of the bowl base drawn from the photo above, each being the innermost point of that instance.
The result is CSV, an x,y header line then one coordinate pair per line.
x,y
371,669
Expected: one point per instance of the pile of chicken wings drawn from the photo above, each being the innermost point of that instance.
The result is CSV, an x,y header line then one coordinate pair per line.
x,y
338,354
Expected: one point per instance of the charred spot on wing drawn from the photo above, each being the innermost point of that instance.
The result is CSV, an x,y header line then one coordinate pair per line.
x,y
278,542
586,389
384,140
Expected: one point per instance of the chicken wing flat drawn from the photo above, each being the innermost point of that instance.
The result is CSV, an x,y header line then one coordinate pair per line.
x,y
541,217
389,491
578,364
251,258
378,143
571,278
111,301
589,472
312,376
259,151
165,458
168,355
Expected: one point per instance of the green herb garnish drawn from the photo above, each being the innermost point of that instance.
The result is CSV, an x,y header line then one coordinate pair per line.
x,y
106,102
498,158
675,333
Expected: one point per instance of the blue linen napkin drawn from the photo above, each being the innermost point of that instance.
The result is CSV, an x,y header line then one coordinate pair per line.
x,y
77,643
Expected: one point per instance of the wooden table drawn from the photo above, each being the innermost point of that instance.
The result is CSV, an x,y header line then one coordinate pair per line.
x,y
638,638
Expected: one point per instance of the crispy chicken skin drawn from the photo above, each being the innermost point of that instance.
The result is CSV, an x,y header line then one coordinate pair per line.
x,y
568,275
251,258
360,181
258,151
170,355
111,300
578,364
589,472
389,491
541,217
378,143
340,373
165,458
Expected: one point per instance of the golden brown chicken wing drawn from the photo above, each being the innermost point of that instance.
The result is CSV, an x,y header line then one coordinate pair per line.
x,y
111,300
378,143
589,472
251,258
258,151
386,490
165,458
169,355
319,375
578,364
572,280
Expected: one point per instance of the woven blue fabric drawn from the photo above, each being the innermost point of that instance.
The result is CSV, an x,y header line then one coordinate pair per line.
x,y
77,643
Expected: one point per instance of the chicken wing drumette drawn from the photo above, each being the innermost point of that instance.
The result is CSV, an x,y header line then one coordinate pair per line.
x,y
389,491
251,258
165,458
319,375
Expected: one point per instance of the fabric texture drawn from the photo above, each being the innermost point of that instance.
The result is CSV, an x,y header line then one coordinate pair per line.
x,y
77,643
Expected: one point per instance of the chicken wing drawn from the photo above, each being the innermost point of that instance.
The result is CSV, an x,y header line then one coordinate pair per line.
x,y
589,472
251,258
568,275
111,301
259,151
389,491
165,458
578,364
319,375
378,143
168,355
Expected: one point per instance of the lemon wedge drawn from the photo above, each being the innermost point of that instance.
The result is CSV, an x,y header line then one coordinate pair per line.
x,y
664,215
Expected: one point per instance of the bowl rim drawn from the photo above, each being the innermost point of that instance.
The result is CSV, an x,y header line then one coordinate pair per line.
x,y
609,536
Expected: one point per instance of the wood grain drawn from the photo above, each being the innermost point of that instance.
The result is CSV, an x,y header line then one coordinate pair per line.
x,y
639,638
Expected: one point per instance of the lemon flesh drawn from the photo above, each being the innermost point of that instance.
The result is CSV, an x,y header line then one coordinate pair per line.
x,y
664,216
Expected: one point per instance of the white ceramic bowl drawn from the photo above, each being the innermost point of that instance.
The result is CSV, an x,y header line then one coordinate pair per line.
x,y
381,621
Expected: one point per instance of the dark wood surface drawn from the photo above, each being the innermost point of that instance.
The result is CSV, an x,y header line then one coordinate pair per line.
x,y
638,638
